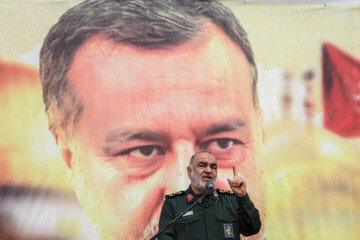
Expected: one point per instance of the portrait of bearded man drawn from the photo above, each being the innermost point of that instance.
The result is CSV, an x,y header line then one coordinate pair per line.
x,y
133,89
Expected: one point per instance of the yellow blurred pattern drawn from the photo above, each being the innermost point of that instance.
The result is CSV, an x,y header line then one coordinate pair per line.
x,y
312,185
29,155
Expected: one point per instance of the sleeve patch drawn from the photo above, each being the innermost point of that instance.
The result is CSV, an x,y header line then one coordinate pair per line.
x,y
225,191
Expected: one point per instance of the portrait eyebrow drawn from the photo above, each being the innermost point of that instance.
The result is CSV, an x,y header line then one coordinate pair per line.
x,y
227,126
143,135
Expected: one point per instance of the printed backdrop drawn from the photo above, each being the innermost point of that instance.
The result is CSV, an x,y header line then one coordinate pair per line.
x,y
308,59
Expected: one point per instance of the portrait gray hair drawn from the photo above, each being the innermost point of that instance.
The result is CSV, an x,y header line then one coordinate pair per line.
x,y
146,24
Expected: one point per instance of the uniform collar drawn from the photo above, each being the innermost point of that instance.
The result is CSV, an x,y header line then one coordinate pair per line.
x,y
191,196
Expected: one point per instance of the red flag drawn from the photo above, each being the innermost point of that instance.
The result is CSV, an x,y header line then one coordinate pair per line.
x,y
341,91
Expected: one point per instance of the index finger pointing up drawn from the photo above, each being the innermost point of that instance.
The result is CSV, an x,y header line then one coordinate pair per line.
x,y
236,173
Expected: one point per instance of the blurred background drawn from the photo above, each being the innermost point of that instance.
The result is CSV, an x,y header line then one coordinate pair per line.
x,y
308,58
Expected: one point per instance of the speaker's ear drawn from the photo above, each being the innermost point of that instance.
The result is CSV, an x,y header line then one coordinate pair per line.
x,y
188,171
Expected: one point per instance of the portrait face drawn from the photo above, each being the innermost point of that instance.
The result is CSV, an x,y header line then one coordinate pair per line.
x,y
203,169
145,113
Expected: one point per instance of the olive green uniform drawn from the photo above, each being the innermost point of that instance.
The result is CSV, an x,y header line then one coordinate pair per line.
x,y
229,217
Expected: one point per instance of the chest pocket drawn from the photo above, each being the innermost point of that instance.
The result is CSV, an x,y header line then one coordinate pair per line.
x,y
188,228
227,226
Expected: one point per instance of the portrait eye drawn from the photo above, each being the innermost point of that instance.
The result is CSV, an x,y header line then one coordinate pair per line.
x,y
144,151
141,161
219,144
225,150
225,143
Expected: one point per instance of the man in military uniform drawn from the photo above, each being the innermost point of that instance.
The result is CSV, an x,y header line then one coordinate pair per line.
x,y
233,214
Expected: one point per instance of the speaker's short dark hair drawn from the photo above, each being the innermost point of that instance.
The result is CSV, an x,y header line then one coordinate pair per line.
x,y
194,155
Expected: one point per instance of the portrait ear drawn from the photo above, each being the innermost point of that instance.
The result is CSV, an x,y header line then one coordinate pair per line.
x,y
65,152
260,122
67,156
263,133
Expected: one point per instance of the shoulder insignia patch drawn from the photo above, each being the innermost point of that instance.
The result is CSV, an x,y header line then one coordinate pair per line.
x,y
225,191
175,194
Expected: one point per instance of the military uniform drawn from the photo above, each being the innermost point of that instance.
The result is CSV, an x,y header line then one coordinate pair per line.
x,y
229,217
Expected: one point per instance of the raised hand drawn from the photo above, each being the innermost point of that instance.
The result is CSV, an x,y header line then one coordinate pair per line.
x,y
238,185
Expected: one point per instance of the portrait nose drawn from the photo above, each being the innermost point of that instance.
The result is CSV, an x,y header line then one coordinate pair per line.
x,y
182,151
